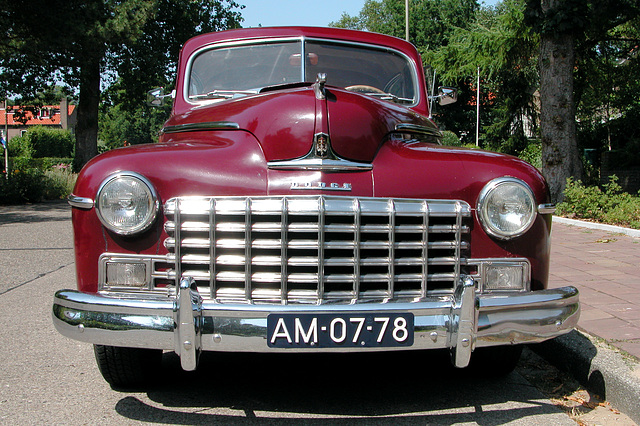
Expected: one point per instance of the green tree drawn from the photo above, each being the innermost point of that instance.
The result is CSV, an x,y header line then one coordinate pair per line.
x,y
430,24
608,90
504,49
119,124
79,42
567,28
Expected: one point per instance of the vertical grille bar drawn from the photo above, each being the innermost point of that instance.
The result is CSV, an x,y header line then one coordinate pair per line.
x,y
247,250
321,222
392,245
284,275
425,251
458,209
212,248
178,242
356,249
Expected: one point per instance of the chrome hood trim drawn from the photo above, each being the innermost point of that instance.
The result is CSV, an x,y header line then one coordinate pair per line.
x,y
321,156
190,127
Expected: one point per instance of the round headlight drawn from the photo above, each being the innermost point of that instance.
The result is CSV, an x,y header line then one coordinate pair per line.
x,y
126,203
506,208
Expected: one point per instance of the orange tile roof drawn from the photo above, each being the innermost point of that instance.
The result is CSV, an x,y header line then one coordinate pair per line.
x,y
47,120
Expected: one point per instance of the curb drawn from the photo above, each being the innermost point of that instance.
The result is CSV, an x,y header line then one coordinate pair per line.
x,y
597,366
635,233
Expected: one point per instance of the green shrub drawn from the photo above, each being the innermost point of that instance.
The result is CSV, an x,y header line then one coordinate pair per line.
x,y
48,142
23,186
532,154
40,141
20,146
44,163
450,139
32,185
610,205
59,182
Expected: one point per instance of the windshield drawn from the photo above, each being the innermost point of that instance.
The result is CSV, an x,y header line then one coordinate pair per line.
x,y
226,72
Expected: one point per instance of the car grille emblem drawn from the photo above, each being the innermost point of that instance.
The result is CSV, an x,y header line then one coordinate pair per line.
x,y
321,142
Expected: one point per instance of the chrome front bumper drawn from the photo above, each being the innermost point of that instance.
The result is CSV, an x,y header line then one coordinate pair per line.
x,y
187,324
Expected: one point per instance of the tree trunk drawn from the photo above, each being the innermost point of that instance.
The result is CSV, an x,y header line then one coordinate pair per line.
x,y
87,124
560,158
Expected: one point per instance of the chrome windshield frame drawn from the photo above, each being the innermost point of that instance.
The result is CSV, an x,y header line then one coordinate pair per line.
x,y
303,42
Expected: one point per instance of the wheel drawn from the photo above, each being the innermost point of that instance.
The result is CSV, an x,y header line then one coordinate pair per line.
x,y
127,367
495,361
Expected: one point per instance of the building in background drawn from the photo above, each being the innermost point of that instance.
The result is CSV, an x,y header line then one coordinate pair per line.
x,y
16,120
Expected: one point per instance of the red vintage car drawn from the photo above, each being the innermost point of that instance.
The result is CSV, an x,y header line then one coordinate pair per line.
x,y
299,200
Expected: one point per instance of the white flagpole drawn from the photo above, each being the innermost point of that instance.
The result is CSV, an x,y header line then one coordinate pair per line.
x,y
406,19
478,111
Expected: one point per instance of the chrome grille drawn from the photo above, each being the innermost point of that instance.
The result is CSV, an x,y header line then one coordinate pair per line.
x,y
312,249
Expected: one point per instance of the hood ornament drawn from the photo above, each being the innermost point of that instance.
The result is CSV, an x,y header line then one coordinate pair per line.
x,y
318,86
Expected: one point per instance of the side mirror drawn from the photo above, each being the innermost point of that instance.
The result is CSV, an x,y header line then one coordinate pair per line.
x,y
156,97
447,95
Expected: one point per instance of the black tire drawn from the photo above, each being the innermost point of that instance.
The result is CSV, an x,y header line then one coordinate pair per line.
x,y
128,367
495,361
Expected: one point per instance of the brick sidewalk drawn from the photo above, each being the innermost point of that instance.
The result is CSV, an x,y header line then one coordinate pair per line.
x,y
605,267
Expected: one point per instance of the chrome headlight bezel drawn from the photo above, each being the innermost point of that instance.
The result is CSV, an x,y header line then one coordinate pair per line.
x,y
525,201
151,203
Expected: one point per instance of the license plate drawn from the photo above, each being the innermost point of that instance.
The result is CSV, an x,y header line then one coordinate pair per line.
x,y
331,330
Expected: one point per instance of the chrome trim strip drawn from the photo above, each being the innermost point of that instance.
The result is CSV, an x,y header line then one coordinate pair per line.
x,y
80,202
284,256
248,244
392,244
546,208
195,127
425,250
440,322
213,290
321,246
416,128
357,239
313,163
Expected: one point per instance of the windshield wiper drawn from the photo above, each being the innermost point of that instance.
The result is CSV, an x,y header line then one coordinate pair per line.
x,y
285,86
389,97
223,94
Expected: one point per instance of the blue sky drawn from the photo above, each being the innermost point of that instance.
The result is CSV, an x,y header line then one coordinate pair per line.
x,y
317,13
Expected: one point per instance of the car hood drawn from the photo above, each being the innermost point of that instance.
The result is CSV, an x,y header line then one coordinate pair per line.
x,y
285,121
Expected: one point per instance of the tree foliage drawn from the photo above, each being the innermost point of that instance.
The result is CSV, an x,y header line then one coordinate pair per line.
x,y
135,42
503,48
430,25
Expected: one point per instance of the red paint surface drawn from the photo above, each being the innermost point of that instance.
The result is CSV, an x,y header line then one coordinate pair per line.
x,y
280,125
